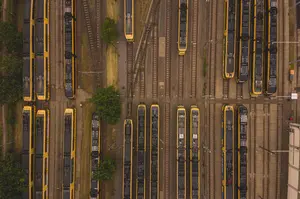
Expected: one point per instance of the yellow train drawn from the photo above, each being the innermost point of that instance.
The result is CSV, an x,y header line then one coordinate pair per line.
x,y
42,70
127,159
28,51
195,172
129,20
154,151
228,184
182,26
181,153
141,151
69,153
28,149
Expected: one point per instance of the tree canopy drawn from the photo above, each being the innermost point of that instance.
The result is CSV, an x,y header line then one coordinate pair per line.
x,y
106,169
108,104
109,31
12,178
10,38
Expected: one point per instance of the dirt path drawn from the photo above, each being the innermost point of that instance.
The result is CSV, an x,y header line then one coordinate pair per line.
x,y
4,107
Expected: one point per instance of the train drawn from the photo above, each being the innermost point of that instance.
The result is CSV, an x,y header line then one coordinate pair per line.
x,y
182,26
141,152
229,39
181,153
271,51
95,155
195,172
228,185
69,61
244,42
41,155
42,71
241,152
69,154
258,49
27,156
127,159
154,151
28,52
129,20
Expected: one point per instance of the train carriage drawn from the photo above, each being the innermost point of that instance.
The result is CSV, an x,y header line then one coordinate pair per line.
x,y
244,42
182,26
271,58
154,151
228,185
127,159
181,153
129,20
95,155
241,153
27,157
69,156
229,39
28,51
141,152
70,55
195,172
42,50
258,50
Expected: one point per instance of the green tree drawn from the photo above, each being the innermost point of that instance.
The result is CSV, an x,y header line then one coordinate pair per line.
x,y
108,104
106,169
11,65
11,88
10,37
109,31
12,178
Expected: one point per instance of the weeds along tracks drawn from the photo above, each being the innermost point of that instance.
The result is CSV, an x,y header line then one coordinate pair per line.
x,y
129,62
194,47
155,59
180,76
225,88
87,18
212,79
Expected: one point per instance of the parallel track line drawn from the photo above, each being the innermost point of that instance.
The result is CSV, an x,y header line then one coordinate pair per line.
x,y
155,60
194,48
180,76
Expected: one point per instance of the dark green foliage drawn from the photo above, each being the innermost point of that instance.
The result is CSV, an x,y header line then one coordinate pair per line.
x,y
10,38
109,31
106,169
12,178
108,104
11,65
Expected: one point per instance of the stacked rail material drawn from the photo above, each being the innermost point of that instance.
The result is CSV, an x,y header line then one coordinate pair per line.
x,y
228,187
257,60
28,52
69,154
229,39
154,152
195,153
127,160
243,66
95,155
182,26
141,154
41,50
181,153
129,19
27,159
41,155
69,65
271,66
242,119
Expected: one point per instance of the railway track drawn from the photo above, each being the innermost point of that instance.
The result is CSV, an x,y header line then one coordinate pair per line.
x,y
98,18
239,91
212,79
225,88
129,62
142,80
252,151
87,19
194,48
155,60
180,76
279,132
265,153
212,177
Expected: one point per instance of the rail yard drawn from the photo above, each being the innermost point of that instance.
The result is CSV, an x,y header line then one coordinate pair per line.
x,y
204,92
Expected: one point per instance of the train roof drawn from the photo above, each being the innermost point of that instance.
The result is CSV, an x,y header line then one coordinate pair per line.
x,y
39,38
40,9
26,129
67,134
38,170
181,178
27,10
67,171
39,138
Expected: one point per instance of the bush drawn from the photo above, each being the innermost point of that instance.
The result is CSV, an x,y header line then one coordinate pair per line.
x,y
10,37
106,170
109,31
108,104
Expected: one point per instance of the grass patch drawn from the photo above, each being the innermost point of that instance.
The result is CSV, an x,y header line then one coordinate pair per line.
x,y
18,127
112,66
